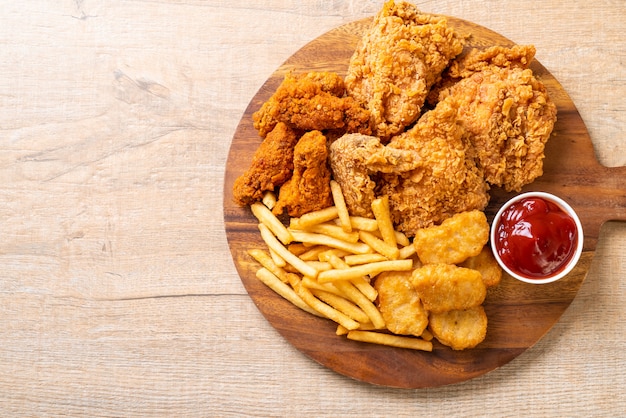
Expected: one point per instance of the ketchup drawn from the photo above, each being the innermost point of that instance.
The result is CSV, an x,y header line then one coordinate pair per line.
x,y
536,238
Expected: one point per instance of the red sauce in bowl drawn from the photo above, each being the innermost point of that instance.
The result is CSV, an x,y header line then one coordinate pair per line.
x,y
535,238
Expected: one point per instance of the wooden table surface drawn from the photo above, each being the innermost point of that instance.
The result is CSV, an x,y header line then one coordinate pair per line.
x,y
118,294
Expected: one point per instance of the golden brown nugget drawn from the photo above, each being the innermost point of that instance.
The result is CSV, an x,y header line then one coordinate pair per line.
x,y
487,265
446,287
456,239
460,329
399,304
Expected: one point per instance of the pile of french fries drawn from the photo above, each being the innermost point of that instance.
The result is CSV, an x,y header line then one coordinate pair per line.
x,y
324,263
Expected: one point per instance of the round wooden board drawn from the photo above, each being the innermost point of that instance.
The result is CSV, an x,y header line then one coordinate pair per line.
x,y
519,314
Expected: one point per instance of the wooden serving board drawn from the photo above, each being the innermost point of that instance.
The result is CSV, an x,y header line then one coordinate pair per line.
x,y
519,314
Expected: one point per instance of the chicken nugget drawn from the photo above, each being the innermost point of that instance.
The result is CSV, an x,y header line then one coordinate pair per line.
x,y
460,329
456,239
487,265
446,287
399,304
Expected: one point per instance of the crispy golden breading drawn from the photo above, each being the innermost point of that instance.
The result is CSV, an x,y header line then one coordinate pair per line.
x,y
309,187
459,329
487,265
428,172
447,183
312,101
357,160
272,165
446,287
399,304
508,113
457,238
396,62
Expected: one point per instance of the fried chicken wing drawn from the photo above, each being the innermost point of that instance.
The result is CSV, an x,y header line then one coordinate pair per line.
x,y
399,304
309,187
457,238
272,165
312,101
459,329
446,287
507,111
396,62
357,160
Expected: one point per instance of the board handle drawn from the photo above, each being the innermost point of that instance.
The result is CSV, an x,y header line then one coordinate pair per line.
x,y
611,193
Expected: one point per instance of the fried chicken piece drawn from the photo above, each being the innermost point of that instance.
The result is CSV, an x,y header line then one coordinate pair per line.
x,y
448,182
312,101
428,172
272,165
446,287
396,62
460,329
508,113
356,160
457,238
309,187
399,304
487,265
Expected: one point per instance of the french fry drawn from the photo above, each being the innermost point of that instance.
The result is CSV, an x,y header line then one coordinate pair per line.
x,y
297,248
343,305
327,287
427,335
355,259
278,260
390,340
379,245
380,207
365,287
406,252
273,243
364,303
266,261
267,218
269,200
313,218
324,309
334,231
364,270
360,283
340,203
323,256
313,253
367,326
319,265
282,289
363,224
320,239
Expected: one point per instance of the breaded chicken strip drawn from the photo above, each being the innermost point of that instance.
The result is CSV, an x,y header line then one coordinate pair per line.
x,y
457,238
459,329
507,111
446,287
272,165
399,303
396,62
312,101
309,187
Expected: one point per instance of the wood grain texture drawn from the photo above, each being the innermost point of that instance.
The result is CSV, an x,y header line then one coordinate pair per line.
x,y
519,314
118,292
